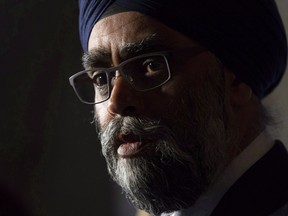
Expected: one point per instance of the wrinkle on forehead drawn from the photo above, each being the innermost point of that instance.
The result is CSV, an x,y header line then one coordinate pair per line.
x,y
127,34
118,30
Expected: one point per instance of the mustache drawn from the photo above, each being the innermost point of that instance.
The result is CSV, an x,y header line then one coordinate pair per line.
x,y
162,138
121,127
129,123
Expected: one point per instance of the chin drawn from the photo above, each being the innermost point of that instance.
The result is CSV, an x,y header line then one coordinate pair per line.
x,y
159,184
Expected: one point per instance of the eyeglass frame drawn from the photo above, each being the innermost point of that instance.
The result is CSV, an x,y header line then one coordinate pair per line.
x,y
164,54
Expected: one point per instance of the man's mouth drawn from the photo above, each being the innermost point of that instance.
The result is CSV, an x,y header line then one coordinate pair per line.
x,y
131,145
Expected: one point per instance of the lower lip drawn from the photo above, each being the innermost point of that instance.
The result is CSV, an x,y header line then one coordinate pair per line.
x,y
127,150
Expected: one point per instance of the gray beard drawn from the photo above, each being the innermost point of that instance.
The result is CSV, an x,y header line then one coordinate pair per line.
x,y
171,178
167,180
186,155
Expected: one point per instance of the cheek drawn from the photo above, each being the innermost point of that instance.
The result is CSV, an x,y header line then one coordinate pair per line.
x,y
178,86
174,100
101,114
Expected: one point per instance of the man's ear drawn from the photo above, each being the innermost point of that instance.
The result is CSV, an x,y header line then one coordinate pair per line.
x,y
239,92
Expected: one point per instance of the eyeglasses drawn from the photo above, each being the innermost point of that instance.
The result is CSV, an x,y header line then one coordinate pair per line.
x,y
143,73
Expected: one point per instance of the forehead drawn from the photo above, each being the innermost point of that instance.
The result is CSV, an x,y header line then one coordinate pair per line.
x,y
119,30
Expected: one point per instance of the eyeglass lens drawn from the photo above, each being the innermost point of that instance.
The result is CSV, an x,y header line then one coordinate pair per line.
x,y
147,72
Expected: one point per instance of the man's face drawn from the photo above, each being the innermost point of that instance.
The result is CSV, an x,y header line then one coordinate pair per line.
x,y
164,146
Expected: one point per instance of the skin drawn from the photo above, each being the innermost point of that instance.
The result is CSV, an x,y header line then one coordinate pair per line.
x,y
242,108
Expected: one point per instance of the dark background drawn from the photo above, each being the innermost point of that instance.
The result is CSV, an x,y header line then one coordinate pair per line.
x,y
50,160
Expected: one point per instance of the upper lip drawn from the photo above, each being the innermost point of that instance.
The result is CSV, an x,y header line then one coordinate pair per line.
x,y
128,137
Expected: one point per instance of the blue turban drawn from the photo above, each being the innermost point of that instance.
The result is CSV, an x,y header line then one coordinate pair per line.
x,y
248,36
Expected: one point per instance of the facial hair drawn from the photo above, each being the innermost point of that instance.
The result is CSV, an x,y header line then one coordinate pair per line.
x,y
185,157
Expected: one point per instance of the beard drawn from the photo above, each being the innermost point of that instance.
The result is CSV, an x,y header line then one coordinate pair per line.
x,y
183,156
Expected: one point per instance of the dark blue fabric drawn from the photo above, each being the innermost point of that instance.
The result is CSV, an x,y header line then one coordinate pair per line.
x,y
89,14
246,35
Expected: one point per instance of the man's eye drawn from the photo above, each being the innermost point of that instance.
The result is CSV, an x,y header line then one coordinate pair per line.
x,y
154,65
100,79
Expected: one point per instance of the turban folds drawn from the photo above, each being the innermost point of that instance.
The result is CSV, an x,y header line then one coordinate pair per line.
x,y
248,36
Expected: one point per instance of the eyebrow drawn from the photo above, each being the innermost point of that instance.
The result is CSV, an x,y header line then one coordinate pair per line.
x,y
150,43
102,57
96,58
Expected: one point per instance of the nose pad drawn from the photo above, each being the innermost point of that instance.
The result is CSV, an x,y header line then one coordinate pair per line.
x,y
123,100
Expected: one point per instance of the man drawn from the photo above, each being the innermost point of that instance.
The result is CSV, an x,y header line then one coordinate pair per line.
x,y
177,88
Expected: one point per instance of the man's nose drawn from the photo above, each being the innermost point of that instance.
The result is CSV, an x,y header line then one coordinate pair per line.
x,y
124,100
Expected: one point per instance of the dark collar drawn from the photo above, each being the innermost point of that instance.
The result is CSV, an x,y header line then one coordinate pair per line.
x,y
261,190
